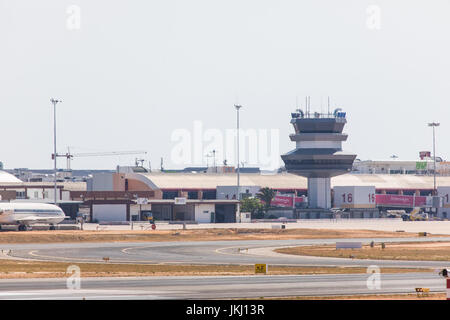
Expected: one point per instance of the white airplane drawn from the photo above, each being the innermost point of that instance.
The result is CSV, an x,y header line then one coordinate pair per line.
x,y
26,214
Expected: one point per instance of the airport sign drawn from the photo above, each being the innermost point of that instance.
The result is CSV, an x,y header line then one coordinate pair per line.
x,y
180,201
142,201
261,268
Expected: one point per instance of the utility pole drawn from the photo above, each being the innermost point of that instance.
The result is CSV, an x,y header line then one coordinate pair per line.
x,y
238,164
434,125
54,102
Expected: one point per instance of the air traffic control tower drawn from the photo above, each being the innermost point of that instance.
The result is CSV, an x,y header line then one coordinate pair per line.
x,y
318,154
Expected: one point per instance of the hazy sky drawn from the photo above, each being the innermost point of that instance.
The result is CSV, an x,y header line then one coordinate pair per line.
x,y
132,73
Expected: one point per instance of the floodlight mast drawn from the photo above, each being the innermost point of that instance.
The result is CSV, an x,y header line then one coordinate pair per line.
x,y
238,107
434,125
54,102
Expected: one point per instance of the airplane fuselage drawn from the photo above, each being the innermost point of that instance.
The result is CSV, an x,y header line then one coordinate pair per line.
x,y
30,213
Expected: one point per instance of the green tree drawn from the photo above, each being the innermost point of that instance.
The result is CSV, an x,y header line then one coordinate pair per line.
x,y
266,195
254,206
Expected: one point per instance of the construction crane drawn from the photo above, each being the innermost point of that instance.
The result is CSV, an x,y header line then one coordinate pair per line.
x,y
212,154
69,156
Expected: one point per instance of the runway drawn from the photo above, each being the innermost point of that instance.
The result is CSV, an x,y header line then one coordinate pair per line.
x,y
223,287
204,252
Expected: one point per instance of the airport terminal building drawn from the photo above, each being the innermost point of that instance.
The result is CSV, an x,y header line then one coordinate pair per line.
x,y
210,197
206,197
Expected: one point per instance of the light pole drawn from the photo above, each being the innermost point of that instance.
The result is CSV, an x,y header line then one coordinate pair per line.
x,y
238,107
54,102
434,124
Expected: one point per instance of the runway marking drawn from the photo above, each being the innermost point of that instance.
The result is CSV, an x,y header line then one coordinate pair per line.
x,y
83,293
92,260
126,250
138,248
219,251
247,250
33,253
209,251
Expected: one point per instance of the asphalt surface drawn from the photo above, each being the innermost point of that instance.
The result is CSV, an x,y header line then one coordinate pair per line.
x,y
392,225
211,253
205,252
223,287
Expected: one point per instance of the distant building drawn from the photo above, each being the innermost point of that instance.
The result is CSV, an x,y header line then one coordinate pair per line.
x,y
113,195
230,192
47,175
423,166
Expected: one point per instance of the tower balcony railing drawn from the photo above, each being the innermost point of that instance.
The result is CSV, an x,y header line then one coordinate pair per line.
x,y
335,134
337,114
